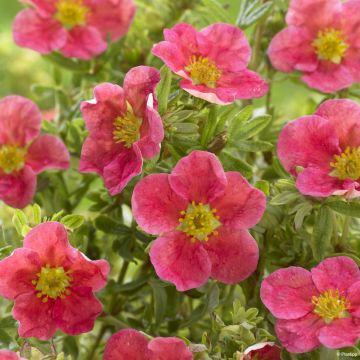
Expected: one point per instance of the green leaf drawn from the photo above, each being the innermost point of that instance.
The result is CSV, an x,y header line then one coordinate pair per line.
x,y
253,127
232,163
302,210
36,213
322,232
160,301
163,89
110,226
254,145
72,222
19,220
346,208
73,65
264,186
252,11
236,121
286,197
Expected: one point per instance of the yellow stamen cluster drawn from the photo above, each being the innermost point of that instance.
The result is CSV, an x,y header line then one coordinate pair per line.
x,y
52,282
199,222
203,71
71,13
330,45
331,305
12,158
347,164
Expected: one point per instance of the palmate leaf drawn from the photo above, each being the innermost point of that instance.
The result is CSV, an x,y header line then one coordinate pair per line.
x,y
251,11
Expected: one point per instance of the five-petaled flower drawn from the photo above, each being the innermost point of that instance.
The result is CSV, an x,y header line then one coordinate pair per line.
x,y
76,28
202,215
322,41
213,62
124,128
9,355
52,284
130,344
321,306
24,153
323,150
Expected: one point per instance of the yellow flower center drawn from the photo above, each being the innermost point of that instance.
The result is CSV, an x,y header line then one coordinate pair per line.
x,y
199,222
12,158
347,165
71,13
127,128
330,45
52,282
203,71
331,305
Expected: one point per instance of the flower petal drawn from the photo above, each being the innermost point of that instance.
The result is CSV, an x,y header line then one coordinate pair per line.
x,y
20,120
198,177
9,355
287,293
47,152
169,348
353,295
171,55
241,206
234,255
180,261
155,206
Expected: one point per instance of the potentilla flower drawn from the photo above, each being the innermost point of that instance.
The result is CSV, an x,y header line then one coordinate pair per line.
x,y
321,41
24,153
130,344
9,355
124,128
76,28
323,150
321,306
202,216
213,62
52,284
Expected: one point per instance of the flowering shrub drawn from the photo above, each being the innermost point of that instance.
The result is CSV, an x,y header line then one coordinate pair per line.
x,y
180,180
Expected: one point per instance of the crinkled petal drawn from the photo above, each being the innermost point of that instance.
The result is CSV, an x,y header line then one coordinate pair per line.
x,y
76,313
198,177
42,34
18,189
35,316
169,348
180,261
84,42
327,274
155,206
353,295
171,55
287,293
241,206
122,169
20,120
127,344
47,152
299,335
17,271
234,255
350,22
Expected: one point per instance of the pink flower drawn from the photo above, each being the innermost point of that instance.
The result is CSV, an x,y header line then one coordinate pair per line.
x,y
24,153
323,150
262,351
321,306
52,284
124,128
9,355
76,28
321,41
129,344
212,62
202,215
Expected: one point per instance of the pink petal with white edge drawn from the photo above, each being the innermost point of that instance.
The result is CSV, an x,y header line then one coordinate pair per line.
x,y
127,344
234,255
299,335
47,152
76,313
180,261
353,295
139,83
291,50
17,272
344,115
100,113
169,348
42,34
287,293
326,274
198,177
84,43
309,140
18,189
241,206
122,169
20,120
226,45
155,206
34,316
340,333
